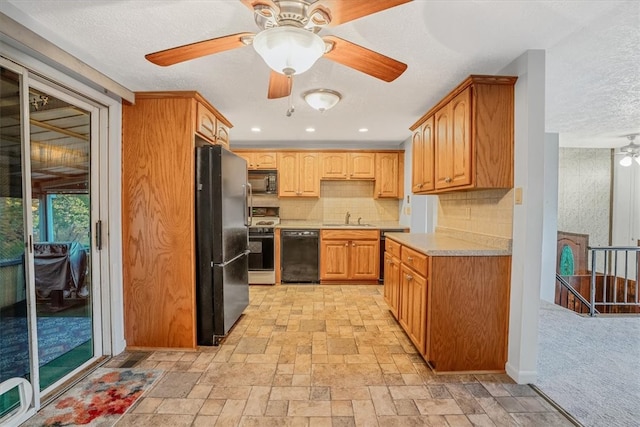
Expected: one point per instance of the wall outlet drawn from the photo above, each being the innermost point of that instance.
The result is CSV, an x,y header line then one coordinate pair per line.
x,y
407,210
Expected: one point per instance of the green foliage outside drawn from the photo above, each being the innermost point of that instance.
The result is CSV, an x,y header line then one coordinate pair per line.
x,y
71,214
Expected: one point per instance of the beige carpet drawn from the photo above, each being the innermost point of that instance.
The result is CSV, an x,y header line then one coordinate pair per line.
x,y
590,366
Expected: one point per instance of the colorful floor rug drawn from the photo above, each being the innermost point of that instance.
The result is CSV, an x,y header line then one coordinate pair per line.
x,y
56,336
98,400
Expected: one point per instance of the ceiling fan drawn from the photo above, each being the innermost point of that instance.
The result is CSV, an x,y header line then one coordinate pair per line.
x,y
630,151
289,41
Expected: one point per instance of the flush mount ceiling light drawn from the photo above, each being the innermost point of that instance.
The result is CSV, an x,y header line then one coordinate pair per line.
x,y
631,151
289,50
322,99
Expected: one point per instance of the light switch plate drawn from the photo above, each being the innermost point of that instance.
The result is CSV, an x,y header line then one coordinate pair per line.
x,y
518,196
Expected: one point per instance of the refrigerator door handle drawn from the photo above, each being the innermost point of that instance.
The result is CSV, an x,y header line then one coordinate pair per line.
x,y
248,204
247,252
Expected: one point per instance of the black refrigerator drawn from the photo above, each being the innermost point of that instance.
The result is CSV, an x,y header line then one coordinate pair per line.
x,y
222,241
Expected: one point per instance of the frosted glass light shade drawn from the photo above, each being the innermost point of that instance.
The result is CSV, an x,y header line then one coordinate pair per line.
x,y
321,99
289,50
626,161
637,159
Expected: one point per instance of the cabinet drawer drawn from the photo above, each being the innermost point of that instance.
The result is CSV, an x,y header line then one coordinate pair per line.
x,y
415,260
350,234
392,247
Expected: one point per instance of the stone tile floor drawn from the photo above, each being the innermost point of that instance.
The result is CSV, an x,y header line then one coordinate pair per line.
x,y
324,355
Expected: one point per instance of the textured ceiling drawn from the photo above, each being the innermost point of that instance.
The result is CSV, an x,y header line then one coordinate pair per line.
x,y
593,62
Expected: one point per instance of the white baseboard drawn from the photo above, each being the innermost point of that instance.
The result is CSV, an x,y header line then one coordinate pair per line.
x,y
521,377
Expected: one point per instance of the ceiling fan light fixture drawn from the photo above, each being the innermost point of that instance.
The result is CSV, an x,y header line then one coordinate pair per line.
x,y
626,161
322,99
289,50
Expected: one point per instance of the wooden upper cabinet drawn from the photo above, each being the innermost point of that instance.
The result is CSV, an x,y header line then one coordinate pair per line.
x,y
459,164
298,174
362,165
257,160
206,123
340,165
389,175
333,166
222,134
265,160
473,138
423,157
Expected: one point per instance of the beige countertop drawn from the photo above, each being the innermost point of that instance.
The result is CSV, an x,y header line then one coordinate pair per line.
x,y
304,224
440,244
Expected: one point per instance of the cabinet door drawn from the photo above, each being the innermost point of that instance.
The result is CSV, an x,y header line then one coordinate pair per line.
x,y
206,124
248,157
413,300
461,139
428,152
392,283
364,259
444,147
362,166
287,174
308,175
387,175
222,135
265,160
334,257
333,166
417,161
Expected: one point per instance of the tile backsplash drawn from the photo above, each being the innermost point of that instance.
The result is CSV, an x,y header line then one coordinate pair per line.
x,y
488,212
338,197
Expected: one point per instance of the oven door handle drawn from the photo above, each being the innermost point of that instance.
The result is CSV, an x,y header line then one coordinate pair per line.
x,y
261,236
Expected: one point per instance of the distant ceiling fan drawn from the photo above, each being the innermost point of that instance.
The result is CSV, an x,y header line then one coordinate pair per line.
x,y
289,42
630,151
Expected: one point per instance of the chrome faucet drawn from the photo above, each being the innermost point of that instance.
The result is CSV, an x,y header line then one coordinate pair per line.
x,y
346,218
359,219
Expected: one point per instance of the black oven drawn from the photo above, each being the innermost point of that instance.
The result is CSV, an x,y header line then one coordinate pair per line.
x,y
261,256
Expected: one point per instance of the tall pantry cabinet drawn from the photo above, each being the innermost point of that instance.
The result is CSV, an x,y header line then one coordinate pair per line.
x,y
159,135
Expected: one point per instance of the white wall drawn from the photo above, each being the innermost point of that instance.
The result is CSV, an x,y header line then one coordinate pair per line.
x,y
550,218
626,207
527,217
419,213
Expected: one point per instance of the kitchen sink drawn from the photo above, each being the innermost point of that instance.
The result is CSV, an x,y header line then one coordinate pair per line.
x,y
348,225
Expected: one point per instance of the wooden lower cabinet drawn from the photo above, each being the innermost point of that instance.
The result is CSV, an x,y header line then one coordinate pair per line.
x,y
392,283
455,309
349,255
413,306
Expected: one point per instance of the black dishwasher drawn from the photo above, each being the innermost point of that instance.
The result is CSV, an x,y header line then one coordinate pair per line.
x,y
300,256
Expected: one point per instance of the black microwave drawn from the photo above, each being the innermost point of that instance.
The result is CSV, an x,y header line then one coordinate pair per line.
x,y
263,181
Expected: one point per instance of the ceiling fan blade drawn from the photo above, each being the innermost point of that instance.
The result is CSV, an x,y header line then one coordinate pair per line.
x,y
362,59
279,85
197,49
252,3
344,11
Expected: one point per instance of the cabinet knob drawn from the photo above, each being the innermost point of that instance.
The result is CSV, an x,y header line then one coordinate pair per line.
x,y
346,244
410,258
409,277
380,193
419,185
257,165
447,180
353,245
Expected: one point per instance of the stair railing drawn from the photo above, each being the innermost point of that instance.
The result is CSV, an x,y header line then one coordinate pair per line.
x,y
618,288
576,294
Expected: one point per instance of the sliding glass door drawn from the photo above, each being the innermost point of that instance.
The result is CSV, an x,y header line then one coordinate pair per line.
x,y
60,157
50,287
14,317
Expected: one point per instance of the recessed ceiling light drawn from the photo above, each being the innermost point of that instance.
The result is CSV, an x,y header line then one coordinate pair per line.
x,y
363,130
310,129
255,129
